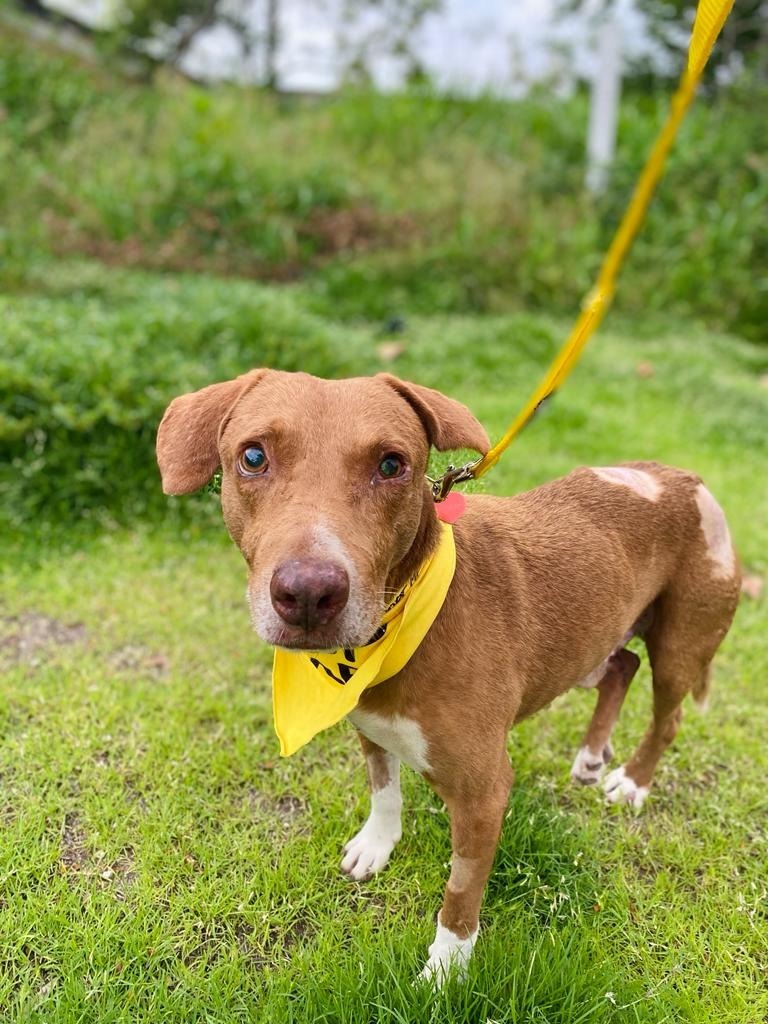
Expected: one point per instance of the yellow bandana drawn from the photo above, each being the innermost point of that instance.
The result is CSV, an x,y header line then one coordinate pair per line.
x,y
312,691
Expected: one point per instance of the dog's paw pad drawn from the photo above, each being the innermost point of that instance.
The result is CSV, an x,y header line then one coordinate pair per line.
x,y
587,767
620,788
367,853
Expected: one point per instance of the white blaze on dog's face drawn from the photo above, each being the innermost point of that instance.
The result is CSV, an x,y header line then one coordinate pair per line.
x,y
323,491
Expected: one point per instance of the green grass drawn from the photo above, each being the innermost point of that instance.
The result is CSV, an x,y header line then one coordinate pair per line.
x,y
160,863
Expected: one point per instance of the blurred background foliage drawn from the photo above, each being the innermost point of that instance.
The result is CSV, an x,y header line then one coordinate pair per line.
x,y
389,203
373,206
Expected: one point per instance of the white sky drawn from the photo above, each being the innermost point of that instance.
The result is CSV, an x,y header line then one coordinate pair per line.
x,y
470,45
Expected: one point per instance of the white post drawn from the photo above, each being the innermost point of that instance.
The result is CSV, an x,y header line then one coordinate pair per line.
x,y
604,104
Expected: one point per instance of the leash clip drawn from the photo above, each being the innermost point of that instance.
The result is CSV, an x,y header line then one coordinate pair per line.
x,y
442,485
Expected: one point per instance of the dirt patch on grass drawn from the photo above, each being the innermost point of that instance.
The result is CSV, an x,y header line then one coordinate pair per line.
x,y
75,855
29,638
134,792
120,875
358,228
287,810
214,941
78,860
180,251
199,245
266,948
279,942
135,658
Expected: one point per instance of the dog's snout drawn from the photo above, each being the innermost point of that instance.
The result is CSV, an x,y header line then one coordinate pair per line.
x,y
309,593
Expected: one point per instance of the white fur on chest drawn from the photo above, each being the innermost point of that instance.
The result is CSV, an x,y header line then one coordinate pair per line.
x,y
401,736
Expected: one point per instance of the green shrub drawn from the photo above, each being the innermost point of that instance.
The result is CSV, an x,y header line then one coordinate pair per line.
x,y
387,203
702,251
86,375
42,92
191,175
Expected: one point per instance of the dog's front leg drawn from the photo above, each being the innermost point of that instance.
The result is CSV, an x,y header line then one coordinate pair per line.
x,y
476,806
368,852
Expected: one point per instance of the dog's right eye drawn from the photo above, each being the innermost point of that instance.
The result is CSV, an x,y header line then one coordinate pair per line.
x,y
391,466
253,461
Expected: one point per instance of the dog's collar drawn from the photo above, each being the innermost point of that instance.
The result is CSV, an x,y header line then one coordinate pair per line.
x,y
313,690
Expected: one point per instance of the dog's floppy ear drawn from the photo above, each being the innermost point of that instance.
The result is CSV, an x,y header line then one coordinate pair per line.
x,y
448,423
188,436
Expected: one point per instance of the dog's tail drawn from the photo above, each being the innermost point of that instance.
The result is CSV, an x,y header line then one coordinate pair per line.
x,y
702,687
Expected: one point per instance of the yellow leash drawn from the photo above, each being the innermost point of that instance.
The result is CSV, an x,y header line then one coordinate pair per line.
x,y
710,18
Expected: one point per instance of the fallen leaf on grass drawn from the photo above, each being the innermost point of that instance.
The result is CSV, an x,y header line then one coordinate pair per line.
x,y
30,638
388,351
752,586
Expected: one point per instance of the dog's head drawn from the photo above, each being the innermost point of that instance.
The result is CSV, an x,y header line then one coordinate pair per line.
x,y
323,490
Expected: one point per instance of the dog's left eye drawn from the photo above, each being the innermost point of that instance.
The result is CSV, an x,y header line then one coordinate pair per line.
x,y
253,461
391,466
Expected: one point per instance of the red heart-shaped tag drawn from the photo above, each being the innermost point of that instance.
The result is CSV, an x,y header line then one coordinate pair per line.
x,y
449,510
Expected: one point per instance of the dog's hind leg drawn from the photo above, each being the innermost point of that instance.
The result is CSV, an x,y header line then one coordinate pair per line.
x,y
630,782
596,750
476,801
690,620
368,851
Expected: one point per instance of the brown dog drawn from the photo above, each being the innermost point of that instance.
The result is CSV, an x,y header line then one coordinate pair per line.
x,y
323,490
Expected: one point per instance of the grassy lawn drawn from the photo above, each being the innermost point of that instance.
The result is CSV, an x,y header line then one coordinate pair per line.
x,y
159,861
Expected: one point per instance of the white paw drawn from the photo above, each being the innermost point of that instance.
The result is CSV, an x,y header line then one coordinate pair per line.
x,y
588,766
368,851
448,955
621,789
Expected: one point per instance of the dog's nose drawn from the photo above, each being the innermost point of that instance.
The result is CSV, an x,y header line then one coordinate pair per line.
x,y
309,593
